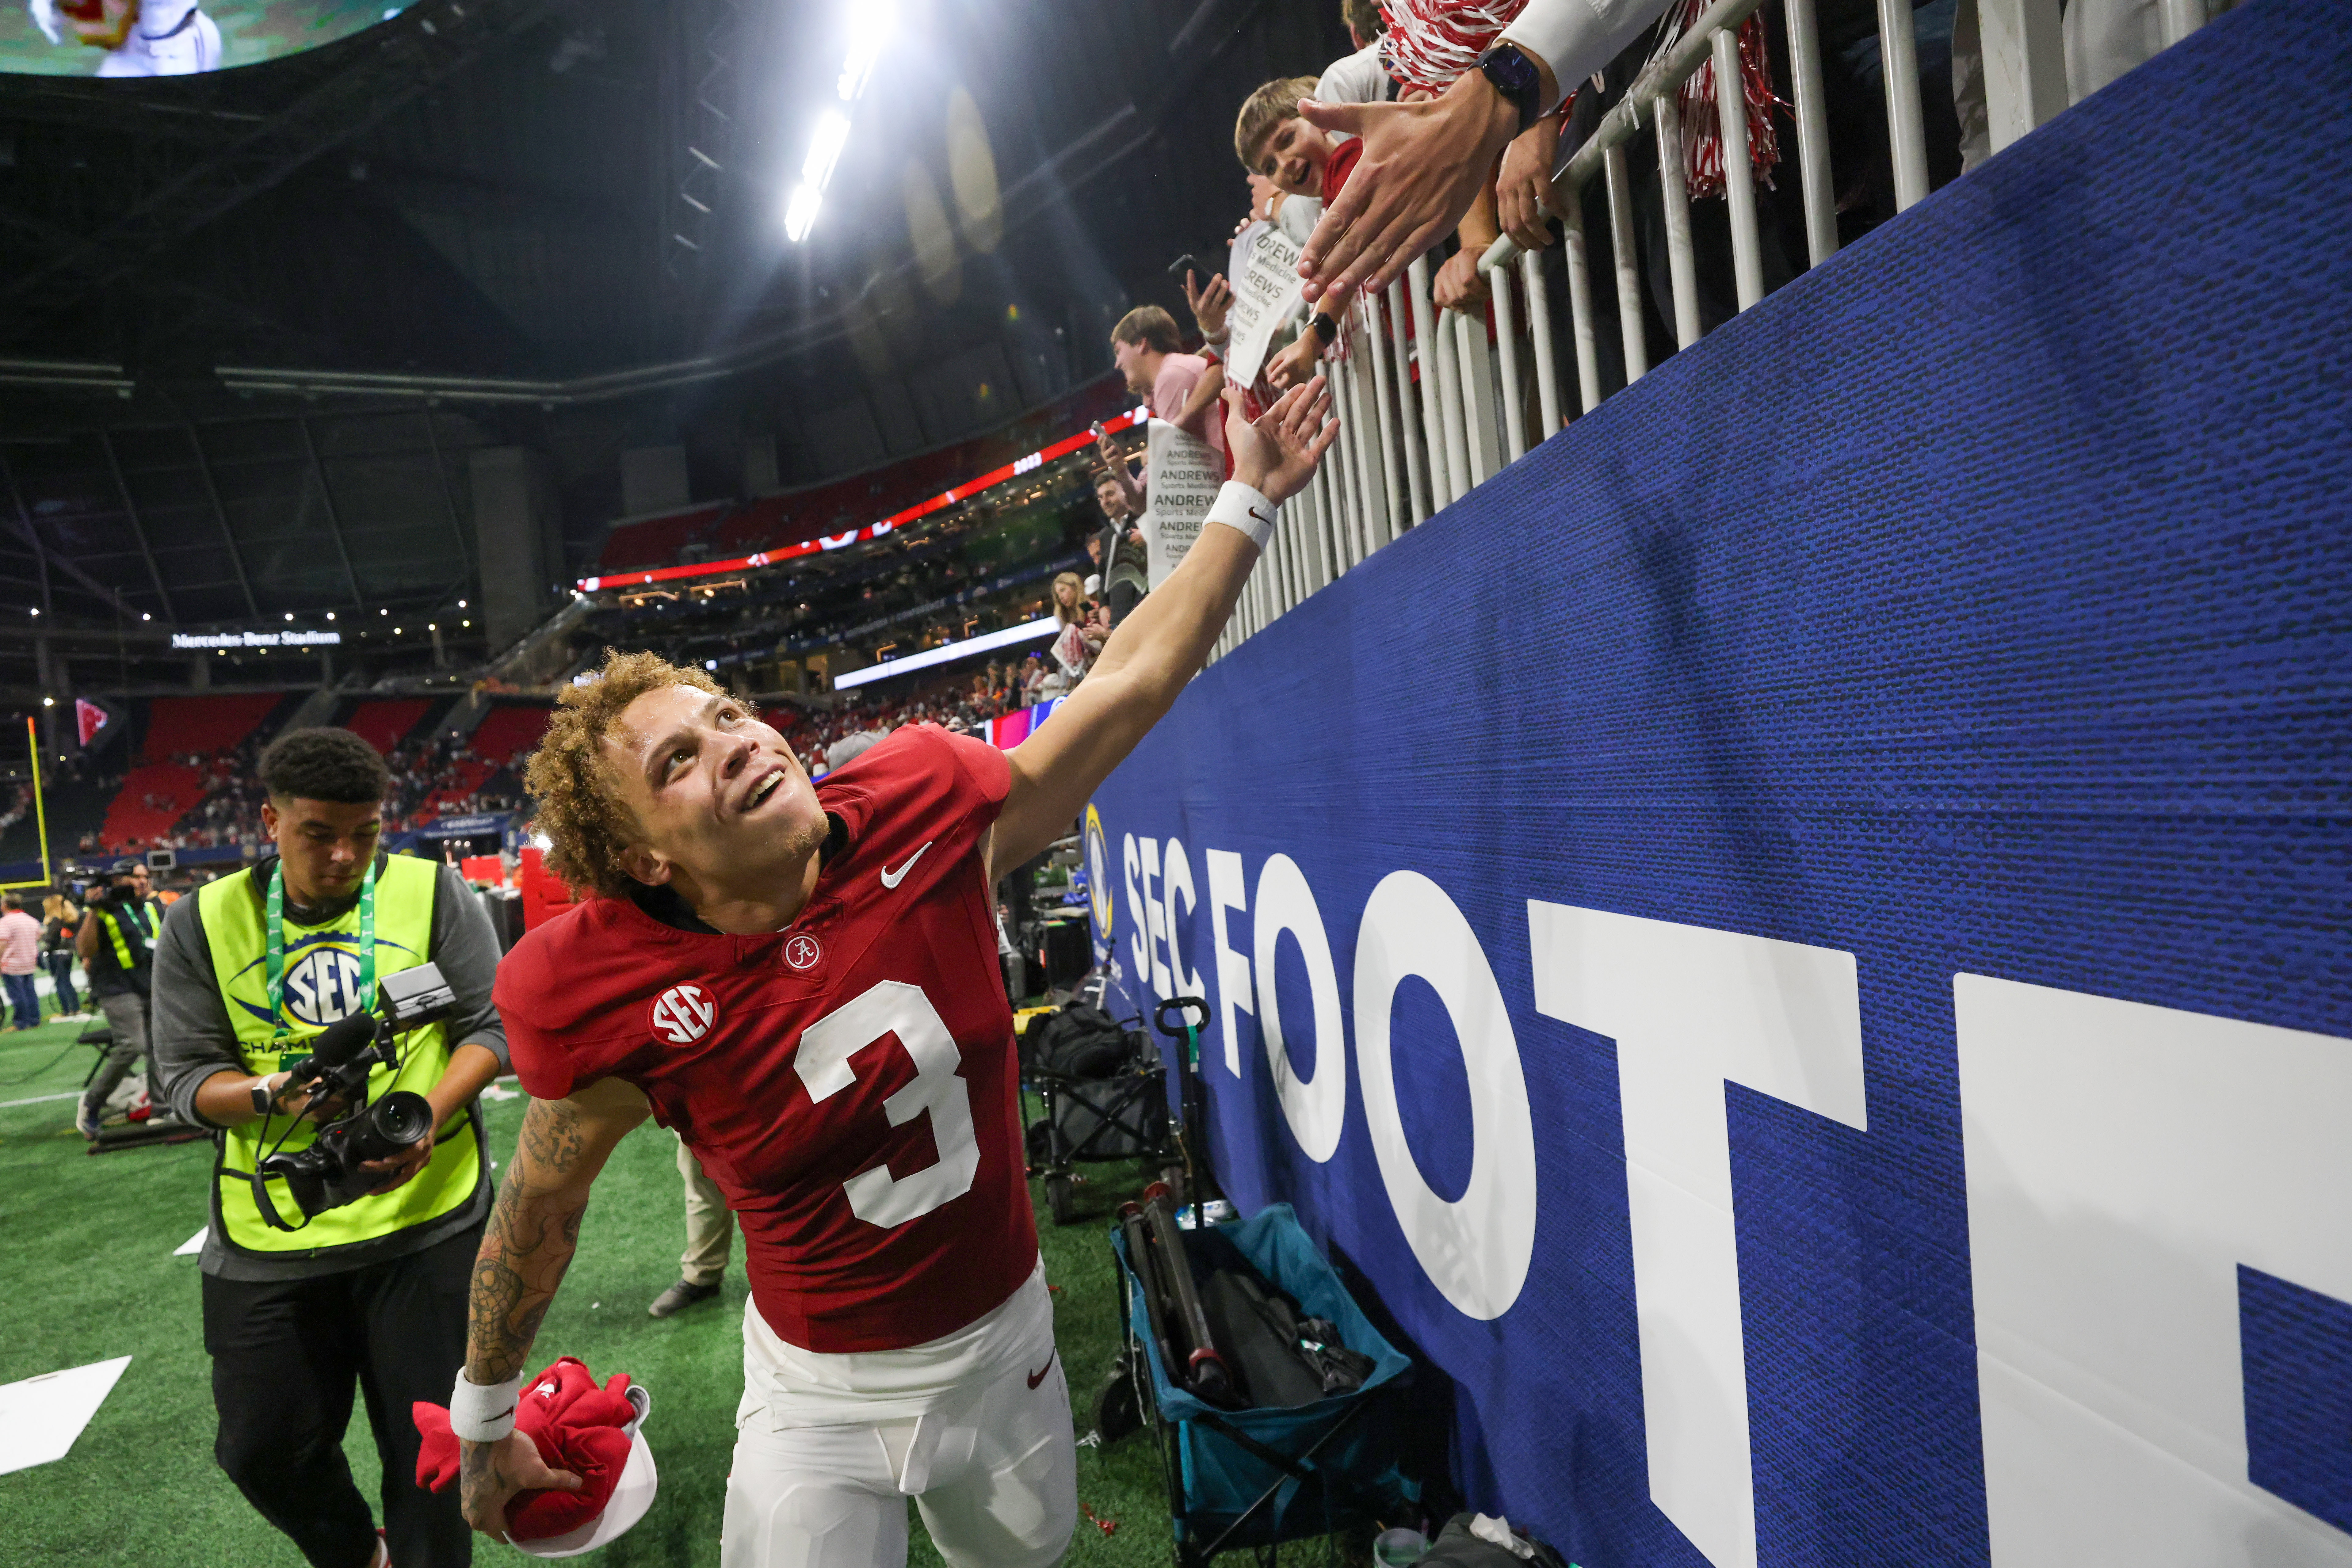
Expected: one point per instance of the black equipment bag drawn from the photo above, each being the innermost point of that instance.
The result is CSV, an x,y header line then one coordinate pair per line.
x,y
1117,1120
1078,1041
1283,1361
1455,1547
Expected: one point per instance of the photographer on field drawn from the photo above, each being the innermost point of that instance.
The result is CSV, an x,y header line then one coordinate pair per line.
x,y
348,1260
116,941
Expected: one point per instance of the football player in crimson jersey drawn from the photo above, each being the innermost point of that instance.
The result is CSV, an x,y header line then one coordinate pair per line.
x,y
801,980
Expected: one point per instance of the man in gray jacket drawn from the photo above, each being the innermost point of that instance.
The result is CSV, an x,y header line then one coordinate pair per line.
x,y
301,1305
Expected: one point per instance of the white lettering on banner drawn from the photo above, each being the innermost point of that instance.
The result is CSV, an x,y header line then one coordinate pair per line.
x,y
1691,1009
894,1008
1476,1248
1228,889
1176,871
1185,475
1316,1108
1265,291
1138,941
2123,1161
1155,919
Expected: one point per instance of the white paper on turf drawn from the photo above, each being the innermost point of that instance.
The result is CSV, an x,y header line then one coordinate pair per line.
x,y
1185,477
1265,291
193,1245
41,1416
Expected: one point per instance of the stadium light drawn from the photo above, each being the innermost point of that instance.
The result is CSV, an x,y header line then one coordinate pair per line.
x,y
871,26
824,149
872,30
801,215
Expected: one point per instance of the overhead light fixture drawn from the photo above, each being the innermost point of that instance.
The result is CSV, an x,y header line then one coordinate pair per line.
x,y
824,149
801,215
872,27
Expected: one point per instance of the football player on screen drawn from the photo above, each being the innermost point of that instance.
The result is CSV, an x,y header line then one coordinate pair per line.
x,y
141,37
802,981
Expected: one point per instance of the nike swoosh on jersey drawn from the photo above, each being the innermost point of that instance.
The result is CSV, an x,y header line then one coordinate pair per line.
x,y
1039,1376
892,879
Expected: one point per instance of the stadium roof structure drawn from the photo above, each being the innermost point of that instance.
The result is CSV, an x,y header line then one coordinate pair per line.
x,y
253,326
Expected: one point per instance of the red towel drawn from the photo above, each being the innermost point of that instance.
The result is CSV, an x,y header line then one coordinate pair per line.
x,y
578,1426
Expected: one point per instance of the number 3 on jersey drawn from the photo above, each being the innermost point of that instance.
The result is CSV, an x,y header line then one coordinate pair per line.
x,y
893,1007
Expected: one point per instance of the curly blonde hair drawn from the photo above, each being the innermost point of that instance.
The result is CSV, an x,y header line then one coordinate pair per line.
x,y
580,808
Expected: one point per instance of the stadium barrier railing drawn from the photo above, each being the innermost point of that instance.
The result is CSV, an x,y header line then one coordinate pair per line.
x,y
1409,448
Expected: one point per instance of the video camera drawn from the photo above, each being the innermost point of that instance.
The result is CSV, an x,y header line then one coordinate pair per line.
x,y
327,1175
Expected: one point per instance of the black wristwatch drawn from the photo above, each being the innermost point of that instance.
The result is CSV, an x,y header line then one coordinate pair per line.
x,y
1327,327
262,1098
1516,79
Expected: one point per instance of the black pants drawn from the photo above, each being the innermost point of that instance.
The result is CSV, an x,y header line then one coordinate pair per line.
x,y
284,1357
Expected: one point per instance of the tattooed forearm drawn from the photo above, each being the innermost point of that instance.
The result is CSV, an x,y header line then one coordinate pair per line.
x,y
533,1231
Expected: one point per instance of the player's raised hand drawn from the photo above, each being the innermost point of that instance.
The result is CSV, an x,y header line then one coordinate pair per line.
x,y
1276,454
491,1475
1423,165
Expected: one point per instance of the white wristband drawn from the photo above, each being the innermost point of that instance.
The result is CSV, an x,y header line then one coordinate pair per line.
x,y
481,1414
1239,506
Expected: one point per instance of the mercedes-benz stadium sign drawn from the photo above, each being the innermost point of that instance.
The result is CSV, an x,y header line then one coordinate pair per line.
x,y
256,639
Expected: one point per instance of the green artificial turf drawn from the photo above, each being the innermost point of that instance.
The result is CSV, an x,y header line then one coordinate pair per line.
x,y
90,1276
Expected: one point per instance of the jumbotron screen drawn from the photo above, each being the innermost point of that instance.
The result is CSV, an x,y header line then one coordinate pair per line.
x,y
172,37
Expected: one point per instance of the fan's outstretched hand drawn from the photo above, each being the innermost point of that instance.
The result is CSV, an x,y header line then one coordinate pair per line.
x,y
1276,453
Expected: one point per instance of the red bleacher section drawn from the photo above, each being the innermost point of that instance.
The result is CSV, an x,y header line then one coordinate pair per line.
x,y
156,794
179,725
504,733
383,725
130,818
730,529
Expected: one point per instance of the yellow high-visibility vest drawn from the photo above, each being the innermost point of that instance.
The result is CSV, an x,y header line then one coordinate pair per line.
x,y
321,985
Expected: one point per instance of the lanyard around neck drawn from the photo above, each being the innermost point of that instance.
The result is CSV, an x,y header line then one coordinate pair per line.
x,y
277,960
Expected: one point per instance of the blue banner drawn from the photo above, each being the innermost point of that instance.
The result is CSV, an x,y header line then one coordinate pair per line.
x,y
1792,946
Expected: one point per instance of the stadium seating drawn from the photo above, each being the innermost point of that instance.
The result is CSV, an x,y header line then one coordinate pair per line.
x,y
178,726
152,799
384,725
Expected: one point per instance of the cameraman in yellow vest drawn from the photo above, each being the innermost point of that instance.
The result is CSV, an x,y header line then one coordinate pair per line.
x,y
369,1290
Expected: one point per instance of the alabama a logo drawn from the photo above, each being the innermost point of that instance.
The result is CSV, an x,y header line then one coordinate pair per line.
x,y
683,1014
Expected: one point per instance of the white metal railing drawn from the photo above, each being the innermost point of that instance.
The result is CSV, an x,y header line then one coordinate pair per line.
x,y
1410,445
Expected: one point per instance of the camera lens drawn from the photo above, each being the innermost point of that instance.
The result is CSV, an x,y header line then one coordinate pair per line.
x,y
401,1118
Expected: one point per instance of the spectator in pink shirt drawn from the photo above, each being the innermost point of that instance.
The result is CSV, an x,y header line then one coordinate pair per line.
x,y
1183,389
20,957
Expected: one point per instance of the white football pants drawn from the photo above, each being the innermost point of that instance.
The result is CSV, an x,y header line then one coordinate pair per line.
x,y
995,1474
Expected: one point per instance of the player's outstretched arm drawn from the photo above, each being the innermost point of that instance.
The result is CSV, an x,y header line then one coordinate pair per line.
x,y
1164,641
534,1229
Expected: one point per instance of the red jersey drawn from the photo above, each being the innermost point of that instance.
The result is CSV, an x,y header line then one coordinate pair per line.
x,y
1340,165
849,1082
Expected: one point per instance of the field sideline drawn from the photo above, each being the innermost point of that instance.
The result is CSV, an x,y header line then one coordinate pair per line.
x,y
91,1276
